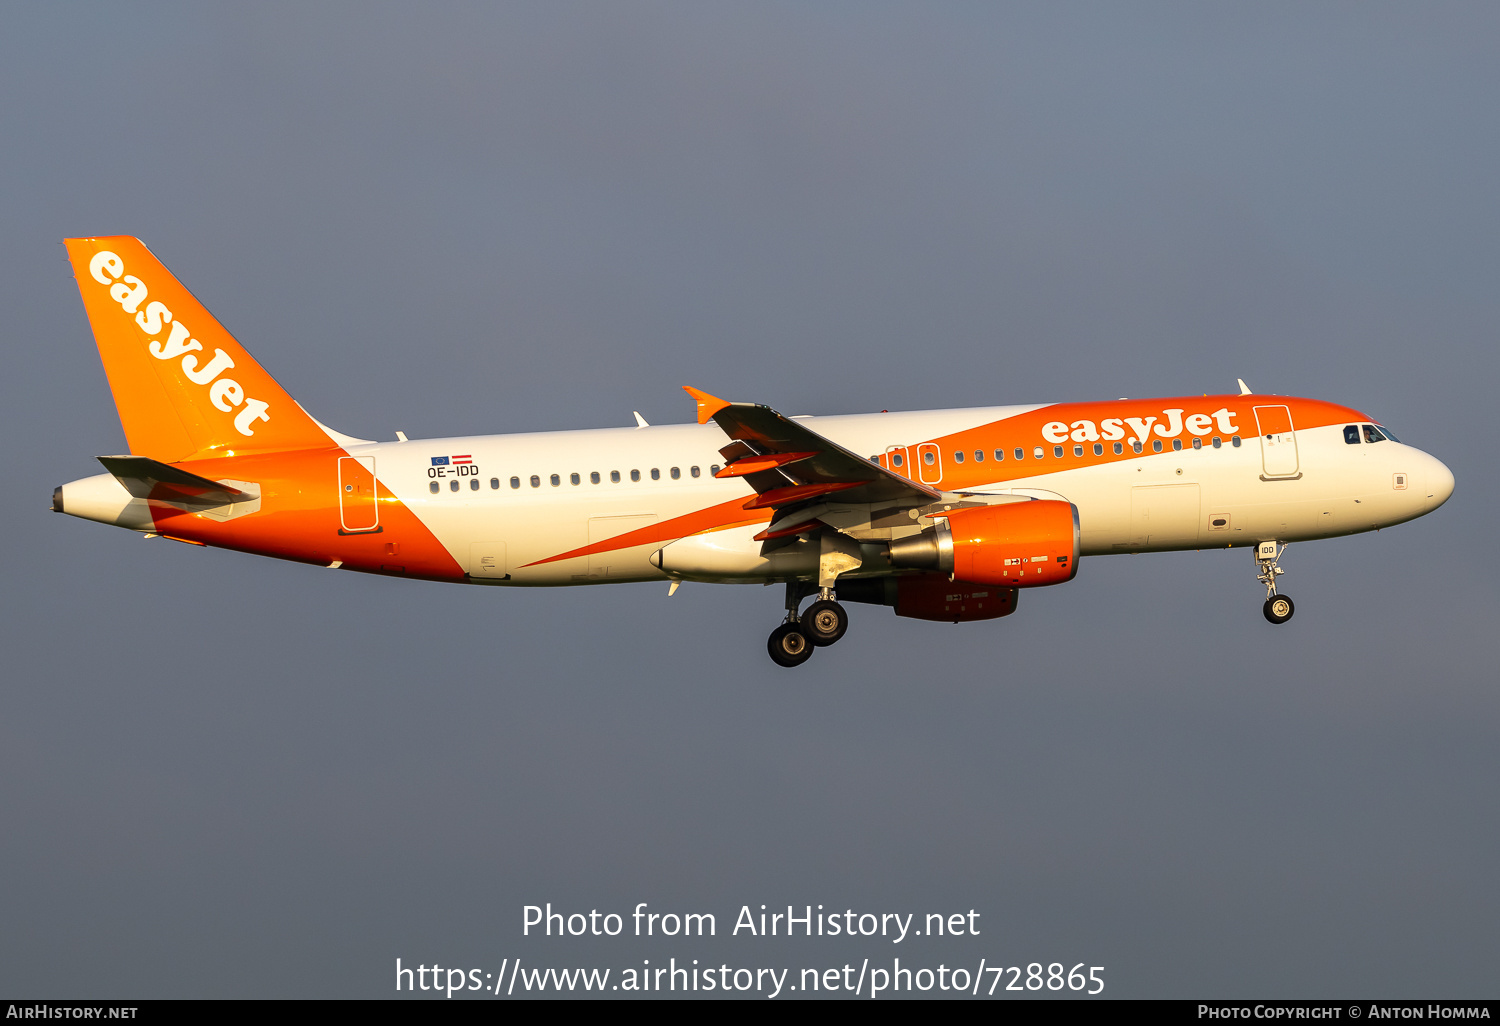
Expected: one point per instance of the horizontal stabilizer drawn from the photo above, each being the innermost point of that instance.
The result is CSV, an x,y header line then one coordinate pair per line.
x,y
146,478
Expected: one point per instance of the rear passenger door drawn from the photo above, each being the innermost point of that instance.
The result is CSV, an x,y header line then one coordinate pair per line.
x,y
359,513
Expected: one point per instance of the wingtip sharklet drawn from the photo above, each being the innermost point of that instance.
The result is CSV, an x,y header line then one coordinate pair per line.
x,y
708,405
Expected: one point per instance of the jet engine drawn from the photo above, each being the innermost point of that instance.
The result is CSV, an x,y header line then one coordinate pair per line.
x,y
931,597
1016,544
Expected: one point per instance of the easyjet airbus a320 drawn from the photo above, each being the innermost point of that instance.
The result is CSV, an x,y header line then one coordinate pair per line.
x,y
944,515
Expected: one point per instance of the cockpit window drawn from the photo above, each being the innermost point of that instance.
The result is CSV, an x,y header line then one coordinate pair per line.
x,y
1351,434
1372,433
1387,432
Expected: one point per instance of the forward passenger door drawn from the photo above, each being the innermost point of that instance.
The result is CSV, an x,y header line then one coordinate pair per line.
x,y
1278,441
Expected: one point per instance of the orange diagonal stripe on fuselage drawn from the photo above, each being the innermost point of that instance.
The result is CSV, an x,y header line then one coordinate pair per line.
x,y
725,514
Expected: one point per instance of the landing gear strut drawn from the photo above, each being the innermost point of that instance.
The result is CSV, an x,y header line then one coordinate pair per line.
x,y
825,622
1278,608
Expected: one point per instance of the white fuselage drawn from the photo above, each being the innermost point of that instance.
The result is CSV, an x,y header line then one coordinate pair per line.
x,y
529,497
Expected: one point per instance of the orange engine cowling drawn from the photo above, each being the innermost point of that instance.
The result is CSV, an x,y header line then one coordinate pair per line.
x,y
1015,544
1020,544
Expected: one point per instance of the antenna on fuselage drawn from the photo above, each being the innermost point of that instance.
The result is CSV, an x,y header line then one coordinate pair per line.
x,y
1244,388
640,421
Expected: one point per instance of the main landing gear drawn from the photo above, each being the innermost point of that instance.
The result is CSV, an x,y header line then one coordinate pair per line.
x,y
1278,608
825,622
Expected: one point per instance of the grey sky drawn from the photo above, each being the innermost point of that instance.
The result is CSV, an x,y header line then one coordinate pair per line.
x,y
228,776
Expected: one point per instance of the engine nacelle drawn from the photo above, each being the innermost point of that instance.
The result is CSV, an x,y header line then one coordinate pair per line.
x,y
1016,544
932,597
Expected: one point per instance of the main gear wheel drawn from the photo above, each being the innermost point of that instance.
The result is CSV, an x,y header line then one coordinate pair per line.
x,y
789,646
825,622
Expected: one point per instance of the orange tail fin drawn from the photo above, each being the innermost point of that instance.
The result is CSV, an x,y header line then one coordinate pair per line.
x,y
184,388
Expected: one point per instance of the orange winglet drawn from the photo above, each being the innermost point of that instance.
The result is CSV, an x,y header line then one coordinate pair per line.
x,y
783,496
755,464
708,405
806,525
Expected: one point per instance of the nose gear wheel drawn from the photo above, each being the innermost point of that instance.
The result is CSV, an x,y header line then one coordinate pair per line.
x,y
1279,609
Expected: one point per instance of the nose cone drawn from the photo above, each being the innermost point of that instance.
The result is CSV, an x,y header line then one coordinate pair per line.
x,y
1439,480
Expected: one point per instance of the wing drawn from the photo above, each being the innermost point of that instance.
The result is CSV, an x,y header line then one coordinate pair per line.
x,y
788,465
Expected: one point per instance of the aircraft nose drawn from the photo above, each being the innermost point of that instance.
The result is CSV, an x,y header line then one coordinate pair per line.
x,y
1439,480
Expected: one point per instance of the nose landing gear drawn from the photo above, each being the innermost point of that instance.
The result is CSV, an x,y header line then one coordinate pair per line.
x,y
1278,608
825,622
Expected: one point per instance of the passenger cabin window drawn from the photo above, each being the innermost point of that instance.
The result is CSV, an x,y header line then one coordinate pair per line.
x,y
656,473
1197,443
1156,445
556,480
453,486
1077,450
1020,454
978,455
494,482
1217,443
536,482
594,477
694,471
1234,440
515,482
713,468
958,457
1351,434
432,486
473,484
1037,452
1135,446
1098,448
896,459
1119,448
575,479
614,477
635,475
676,473
1176,445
